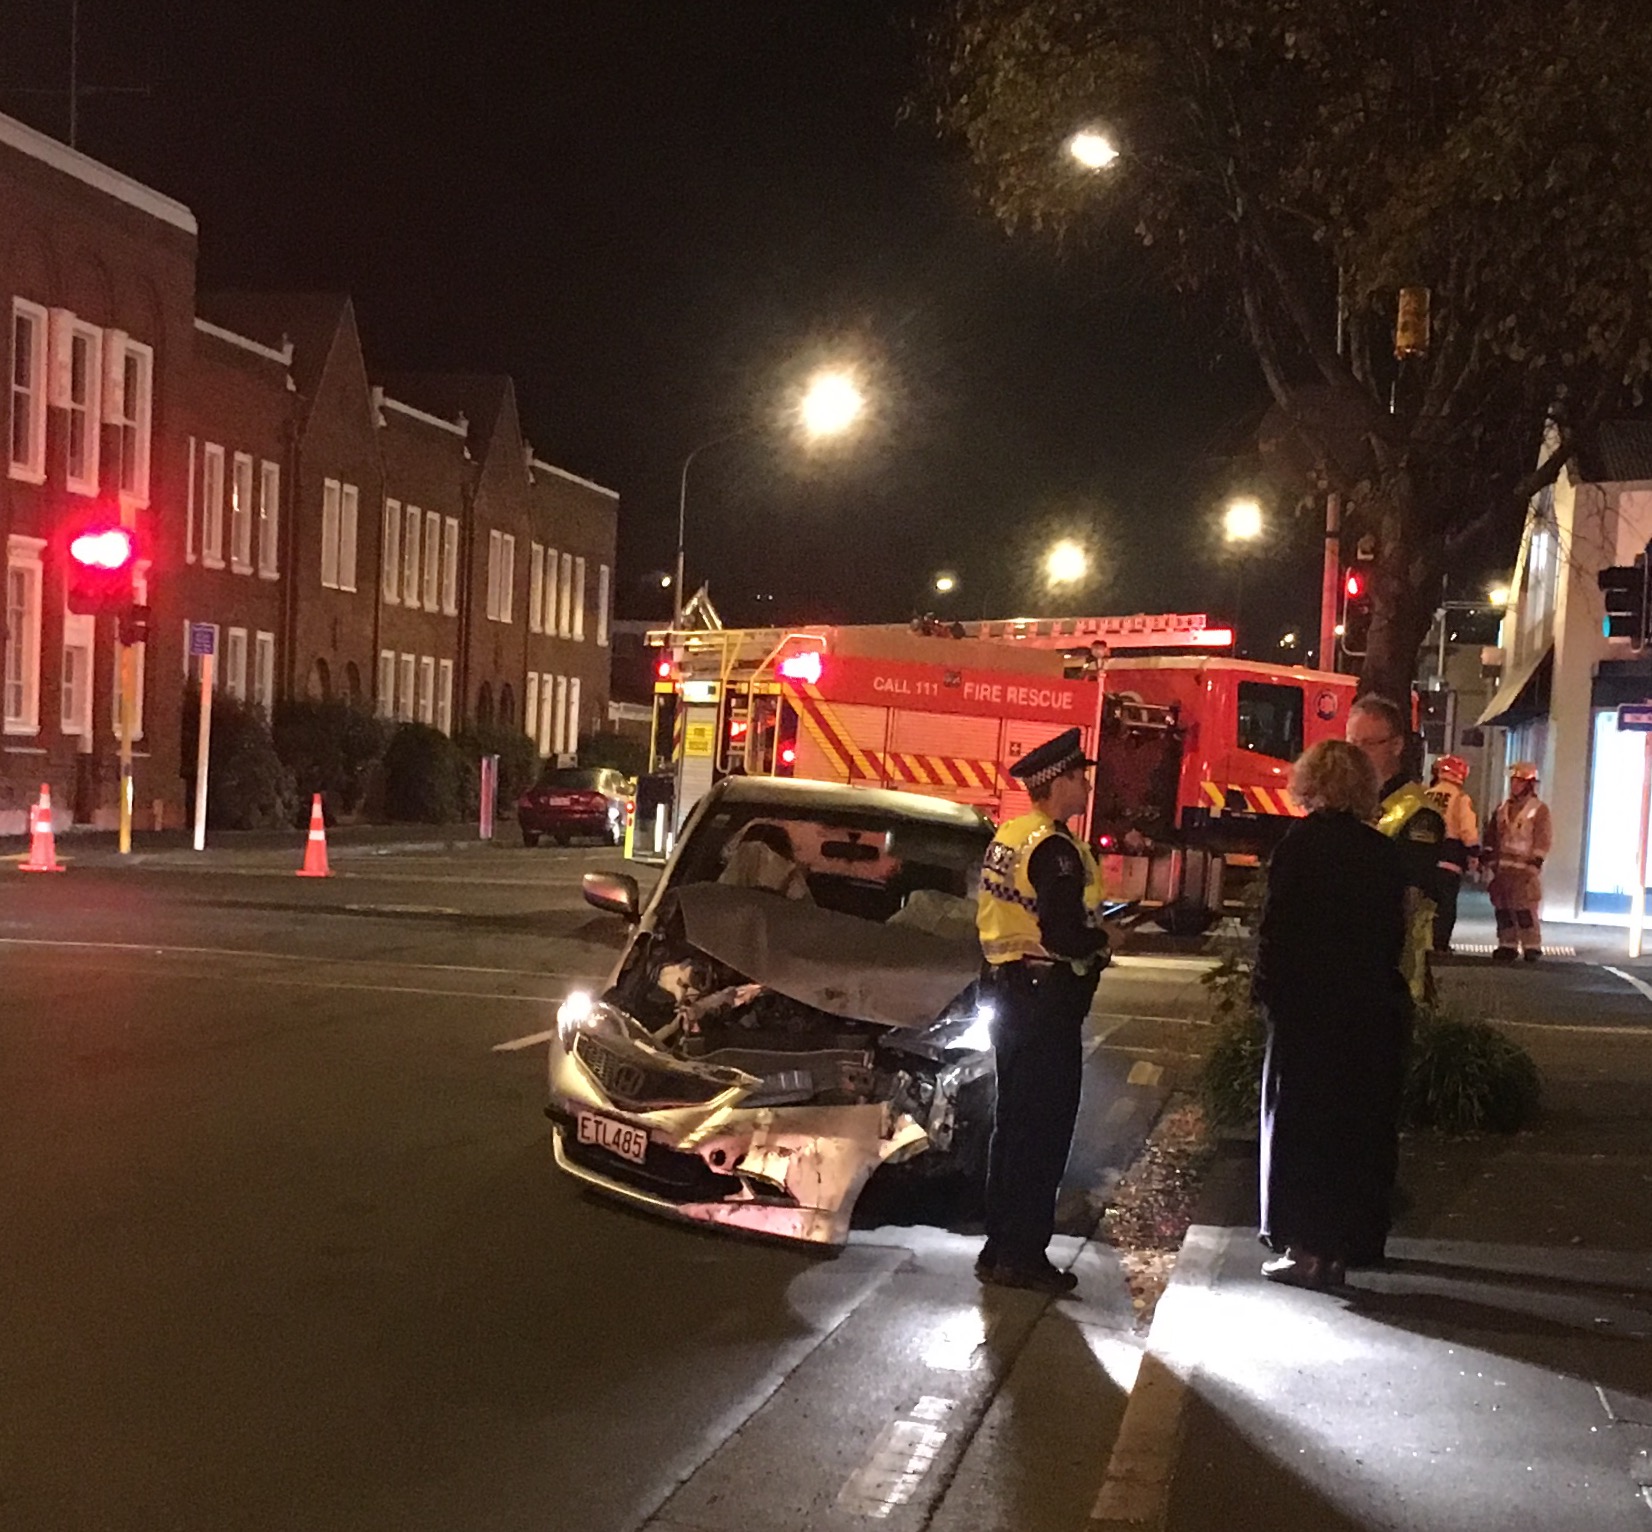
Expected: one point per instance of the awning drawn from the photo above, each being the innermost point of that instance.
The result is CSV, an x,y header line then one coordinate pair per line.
x,y
1522,694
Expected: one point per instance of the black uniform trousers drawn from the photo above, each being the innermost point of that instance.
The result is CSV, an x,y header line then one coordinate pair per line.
x,y
1038,1039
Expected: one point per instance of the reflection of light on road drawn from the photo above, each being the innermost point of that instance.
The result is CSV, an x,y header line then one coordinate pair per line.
x,y
1120,1359
955,1344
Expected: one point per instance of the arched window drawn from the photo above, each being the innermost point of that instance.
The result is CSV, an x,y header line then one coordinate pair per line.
x,y
484,705
352,679
507,707
320,685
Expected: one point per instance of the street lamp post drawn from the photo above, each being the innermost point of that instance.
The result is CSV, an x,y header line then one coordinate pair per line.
x,y
830,406
1242,526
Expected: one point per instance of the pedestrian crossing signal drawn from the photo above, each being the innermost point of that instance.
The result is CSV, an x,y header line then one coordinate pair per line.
x,y
1623,588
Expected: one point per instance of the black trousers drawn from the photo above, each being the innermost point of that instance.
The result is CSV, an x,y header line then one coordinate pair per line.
x,y
1038,1038
1445,908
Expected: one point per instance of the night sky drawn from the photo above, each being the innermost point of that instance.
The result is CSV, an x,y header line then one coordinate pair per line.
x,y
657,215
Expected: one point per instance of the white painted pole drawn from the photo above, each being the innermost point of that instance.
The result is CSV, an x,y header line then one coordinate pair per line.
x,y
1637,895
203,750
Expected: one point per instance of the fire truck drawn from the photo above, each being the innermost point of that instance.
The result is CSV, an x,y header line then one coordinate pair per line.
x,y
1193,747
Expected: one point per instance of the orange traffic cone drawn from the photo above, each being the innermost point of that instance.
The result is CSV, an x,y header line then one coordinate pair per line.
x,y
42,855
315,849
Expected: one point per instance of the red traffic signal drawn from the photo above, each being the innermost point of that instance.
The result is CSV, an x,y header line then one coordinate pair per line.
x,y
1354,584
100,570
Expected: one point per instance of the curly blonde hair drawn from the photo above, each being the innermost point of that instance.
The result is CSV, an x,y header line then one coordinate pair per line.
x,y
1335,775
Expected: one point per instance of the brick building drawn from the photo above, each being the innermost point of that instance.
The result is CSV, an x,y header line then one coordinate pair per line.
x,y
393,542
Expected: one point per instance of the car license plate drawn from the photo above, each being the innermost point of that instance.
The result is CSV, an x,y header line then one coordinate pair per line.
x,y
558,801
619,1138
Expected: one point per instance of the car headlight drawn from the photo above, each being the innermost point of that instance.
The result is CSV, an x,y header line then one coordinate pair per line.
x,y
576,1012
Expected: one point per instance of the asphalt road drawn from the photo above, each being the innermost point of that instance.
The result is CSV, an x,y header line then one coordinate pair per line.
x,y
281,1244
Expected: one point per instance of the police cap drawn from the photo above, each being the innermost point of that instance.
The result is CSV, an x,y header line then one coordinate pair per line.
x,y
1037,768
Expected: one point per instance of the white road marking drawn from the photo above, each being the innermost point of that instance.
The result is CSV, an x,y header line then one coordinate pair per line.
x,y
402,909
152,949
1144,1074
1188,961
903,1453
1630,980
533,1039
1120,1111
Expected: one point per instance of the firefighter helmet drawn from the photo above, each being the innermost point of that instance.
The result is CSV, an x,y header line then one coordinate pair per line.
x,y
1451,768
1524,771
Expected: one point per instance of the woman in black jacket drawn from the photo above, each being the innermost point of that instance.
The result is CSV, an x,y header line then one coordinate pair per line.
x,y
1329,982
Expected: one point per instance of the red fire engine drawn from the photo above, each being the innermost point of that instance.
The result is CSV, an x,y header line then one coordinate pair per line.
x,y
1193,747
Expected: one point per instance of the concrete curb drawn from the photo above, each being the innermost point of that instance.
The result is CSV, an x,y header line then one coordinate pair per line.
x,y
1135,1491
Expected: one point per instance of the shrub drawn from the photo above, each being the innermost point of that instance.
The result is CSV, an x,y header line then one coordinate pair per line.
x,y
248,787
518,764
423,776
1230,1081
330,747
1467,1077
620,751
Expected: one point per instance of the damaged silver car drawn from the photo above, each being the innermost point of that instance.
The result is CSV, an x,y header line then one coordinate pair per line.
x,y
797,1008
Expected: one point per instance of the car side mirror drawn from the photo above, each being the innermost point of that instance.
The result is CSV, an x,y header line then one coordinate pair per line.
x,y
614,892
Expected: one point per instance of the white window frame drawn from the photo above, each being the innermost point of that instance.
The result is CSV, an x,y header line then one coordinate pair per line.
x,y
410,556
212,505
27,398
444,696
507,582
330,501
552,586
565,624
269,520
384,700
263,671
530,706
496,544
349,524
405,676
579,599
547,710
390,561
132,419
427,689
432,561
235,663
559,718
240,514
87,410
573,715
450,566
75,706
536,588
605,594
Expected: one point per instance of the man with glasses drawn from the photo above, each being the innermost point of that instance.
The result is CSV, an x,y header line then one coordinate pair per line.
x,y
1377,728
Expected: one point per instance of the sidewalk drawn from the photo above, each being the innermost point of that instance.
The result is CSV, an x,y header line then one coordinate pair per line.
x,y
162,848
1498,1376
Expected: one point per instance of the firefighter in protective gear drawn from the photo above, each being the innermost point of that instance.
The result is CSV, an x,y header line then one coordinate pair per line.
x,y
1461,846
1518,838
1044,945
1377,728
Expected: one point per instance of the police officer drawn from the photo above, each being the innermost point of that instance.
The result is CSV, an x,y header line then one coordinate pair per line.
x,y
1378,729
1041,935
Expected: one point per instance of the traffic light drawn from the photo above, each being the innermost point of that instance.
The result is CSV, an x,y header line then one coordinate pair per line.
x,y
100,571
1356,612
1624,588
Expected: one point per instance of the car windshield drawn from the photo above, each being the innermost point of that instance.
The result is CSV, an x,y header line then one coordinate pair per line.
x,y
865,864
571,778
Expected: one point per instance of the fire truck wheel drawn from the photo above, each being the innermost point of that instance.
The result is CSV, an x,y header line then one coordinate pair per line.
x,y
1185,919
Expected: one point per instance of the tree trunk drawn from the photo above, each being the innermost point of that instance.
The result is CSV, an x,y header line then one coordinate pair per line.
x,y
1402,608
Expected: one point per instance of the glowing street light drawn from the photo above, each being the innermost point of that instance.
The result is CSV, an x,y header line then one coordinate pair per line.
x,y
832,404
945,584
1498,595
1289,641
1242,521
1066,563
1092,150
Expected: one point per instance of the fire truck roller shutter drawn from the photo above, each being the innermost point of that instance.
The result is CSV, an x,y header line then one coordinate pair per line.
x,y
947,755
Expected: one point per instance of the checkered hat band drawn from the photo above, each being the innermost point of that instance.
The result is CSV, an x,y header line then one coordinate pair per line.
x,y
1050,773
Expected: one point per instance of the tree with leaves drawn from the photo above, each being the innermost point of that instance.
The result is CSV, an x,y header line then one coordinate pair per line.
x,y
1298,164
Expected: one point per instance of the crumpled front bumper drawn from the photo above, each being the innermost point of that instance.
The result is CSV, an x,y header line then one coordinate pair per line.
x,y
793,1172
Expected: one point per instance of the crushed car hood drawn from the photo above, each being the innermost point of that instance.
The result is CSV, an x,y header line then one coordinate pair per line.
x,y
894,975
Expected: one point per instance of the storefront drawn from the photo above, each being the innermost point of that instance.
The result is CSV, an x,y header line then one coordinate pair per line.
x,y
1617,759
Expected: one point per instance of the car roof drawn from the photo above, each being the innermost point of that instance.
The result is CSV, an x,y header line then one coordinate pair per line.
x,y
785,792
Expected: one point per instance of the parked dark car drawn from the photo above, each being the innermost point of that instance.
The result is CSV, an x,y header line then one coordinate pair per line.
x,y
575,800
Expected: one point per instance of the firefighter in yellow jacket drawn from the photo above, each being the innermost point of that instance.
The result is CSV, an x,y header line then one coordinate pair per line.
x,y
1039,920
1378,729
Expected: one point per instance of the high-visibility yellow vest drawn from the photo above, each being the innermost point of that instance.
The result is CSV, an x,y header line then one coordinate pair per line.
x,y
1398,809
1006,915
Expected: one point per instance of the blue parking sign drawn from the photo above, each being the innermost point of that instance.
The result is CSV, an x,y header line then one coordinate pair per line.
x,y
203,638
